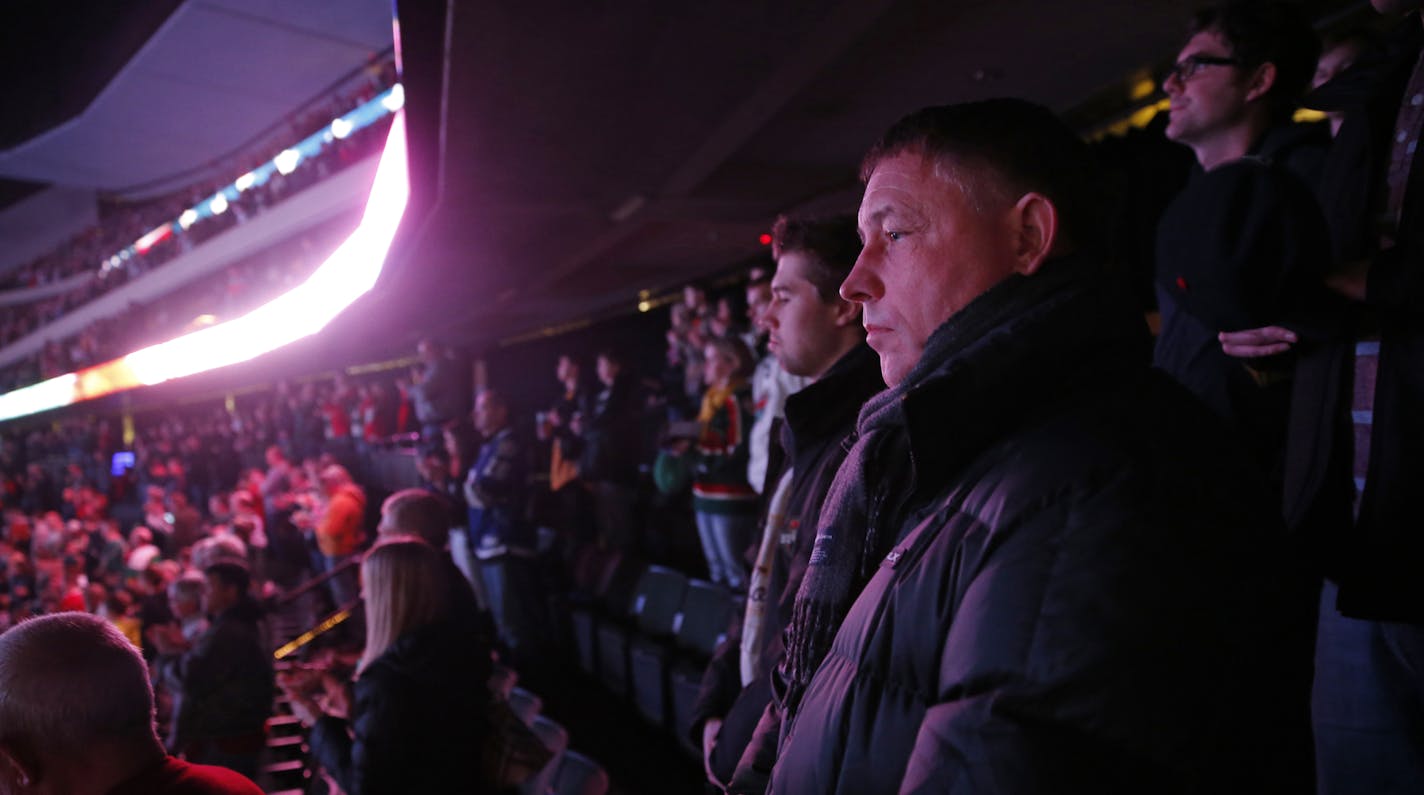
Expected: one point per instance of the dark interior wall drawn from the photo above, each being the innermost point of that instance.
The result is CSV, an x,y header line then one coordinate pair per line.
x,y
525,371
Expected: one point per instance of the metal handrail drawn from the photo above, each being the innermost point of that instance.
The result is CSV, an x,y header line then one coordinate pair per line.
x,y
322,627
288,597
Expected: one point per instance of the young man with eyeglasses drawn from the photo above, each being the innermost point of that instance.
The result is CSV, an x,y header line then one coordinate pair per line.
x,y
1242,246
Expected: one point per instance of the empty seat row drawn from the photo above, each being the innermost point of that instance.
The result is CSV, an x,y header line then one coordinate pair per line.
x,y
646,632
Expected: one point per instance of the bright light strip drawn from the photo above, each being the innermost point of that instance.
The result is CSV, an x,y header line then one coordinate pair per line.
x,y
287,161
218,205
347,274
394,100
153,238
379,107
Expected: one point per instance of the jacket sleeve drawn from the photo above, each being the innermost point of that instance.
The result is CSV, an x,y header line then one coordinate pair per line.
x,y
1051,681
753,774
365,755
721,684
500,479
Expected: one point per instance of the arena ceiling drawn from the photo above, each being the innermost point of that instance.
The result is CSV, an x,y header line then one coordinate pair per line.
x,y
594,152
135,98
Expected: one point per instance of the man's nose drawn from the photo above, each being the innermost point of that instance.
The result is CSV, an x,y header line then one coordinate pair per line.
x,y
860,284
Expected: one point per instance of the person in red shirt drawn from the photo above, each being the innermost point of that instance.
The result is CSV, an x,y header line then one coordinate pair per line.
x,y
76,709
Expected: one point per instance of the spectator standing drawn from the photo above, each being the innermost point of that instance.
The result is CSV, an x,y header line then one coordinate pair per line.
x,y
339,532
1072,581
771,384
497,491
416,719
223,682
1244,245
441,390
1355,450
724,503
610,462
815,335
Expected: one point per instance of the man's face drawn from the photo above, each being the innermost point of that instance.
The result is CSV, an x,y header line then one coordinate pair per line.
x,y
218,595
928,252
758,298
607,370
1212,101
565,369
717,366
489,415
801,327
182,607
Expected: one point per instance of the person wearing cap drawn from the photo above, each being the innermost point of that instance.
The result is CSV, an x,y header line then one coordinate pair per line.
x,y
223,682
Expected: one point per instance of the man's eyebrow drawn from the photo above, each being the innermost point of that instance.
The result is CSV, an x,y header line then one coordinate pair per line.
x,y
877,215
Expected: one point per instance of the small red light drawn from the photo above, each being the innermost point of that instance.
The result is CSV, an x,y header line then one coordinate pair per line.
x,y
765,239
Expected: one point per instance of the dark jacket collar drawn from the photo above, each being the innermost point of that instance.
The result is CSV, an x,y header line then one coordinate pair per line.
x,y
832,402
1374,74
1014,351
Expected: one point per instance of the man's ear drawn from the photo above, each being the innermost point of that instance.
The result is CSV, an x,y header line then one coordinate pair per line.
x,y
17,766
846,313
1262,80
1035,230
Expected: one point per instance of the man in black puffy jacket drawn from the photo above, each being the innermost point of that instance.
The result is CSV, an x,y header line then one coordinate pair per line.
x,y
1069,577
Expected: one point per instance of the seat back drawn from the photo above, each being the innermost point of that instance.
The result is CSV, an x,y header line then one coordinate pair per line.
x,y
605,568
701,624
658,599
616,596
579,775
586,569
556,739
525,704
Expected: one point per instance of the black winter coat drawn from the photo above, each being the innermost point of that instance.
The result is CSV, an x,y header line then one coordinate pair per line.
x,y
1090,592
1242,246
820,418
610,452
224,685
1376,558
418,718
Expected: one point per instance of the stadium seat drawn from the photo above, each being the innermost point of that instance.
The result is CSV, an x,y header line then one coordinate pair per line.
x,y
579,775
653,609
701,626
556,739
614,598
525,705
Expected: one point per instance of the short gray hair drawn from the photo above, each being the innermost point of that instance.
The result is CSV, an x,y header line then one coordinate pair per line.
x,y
69,679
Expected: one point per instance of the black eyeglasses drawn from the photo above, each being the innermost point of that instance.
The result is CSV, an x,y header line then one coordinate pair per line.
x,y
1188,67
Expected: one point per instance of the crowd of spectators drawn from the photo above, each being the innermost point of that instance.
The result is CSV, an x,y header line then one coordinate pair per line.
x,y
120,225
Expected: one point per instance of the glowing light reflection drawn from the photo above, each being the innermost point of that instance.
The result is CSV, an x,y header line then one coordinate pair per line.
x,y
347,274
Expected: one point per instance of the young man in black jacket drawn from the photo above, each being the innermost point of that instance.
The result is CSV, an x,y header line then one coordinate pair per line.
x,y
1069,578
1244,244
814,334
